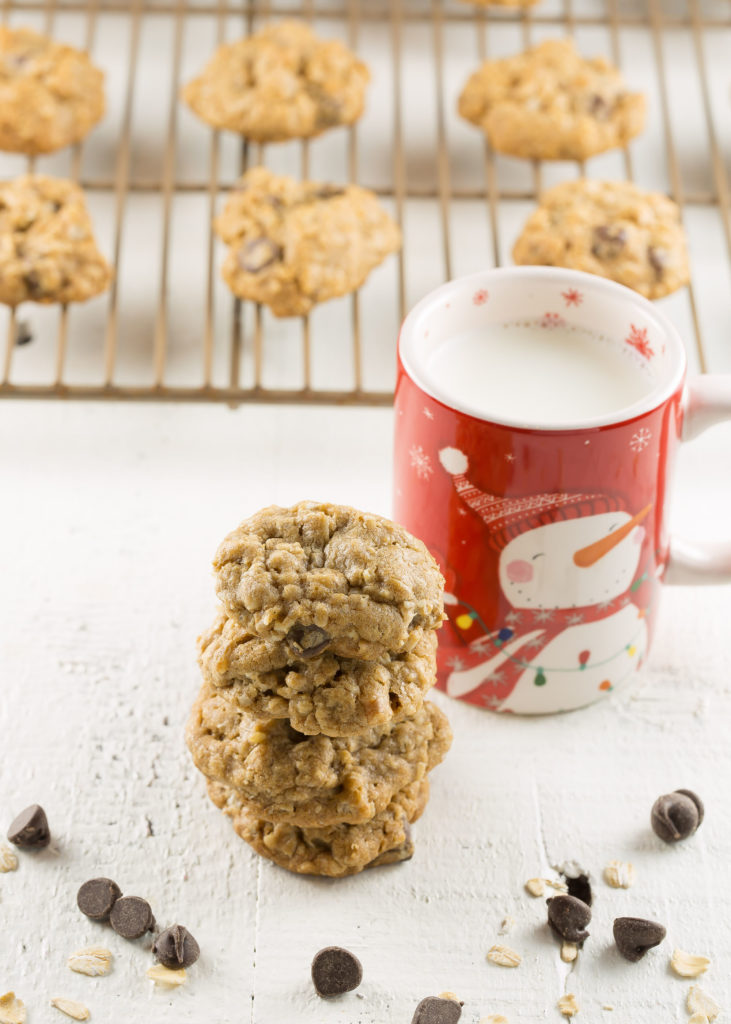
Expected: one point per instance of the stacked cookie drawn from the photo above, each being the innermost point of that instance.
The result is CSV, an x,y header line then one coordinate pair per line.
x,y
311,724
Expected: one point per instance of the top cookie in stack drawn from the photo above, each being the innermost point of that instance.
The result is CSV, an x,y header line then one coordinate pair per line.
x,y
311,725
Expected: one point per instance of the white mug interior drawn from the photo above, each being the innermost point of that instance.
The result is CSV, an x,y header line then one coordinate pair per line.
x,y
548,297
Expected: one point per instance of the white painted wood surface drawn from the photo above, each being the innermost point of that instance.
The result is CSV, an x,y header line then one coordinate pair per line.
x,y
110,516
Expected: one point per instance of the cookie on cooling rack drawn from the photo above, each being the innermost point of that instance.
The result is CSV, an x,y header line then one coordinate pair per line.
x,y
502,3
293,244
610,228
311,781
331,850
47,248
321,694
282,83
51,95
550,103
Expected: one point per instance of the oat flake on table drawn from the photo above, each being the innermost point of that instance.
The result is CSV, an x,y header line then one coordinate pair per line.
x,y
620,874
568,1005
94,961
699,1001
503,956
8,859
77,1011
688,965
167,977
12,1009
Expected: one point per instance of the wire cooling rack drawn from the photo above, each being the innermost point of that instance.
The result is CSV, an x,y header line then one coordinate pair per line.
x,y
169,329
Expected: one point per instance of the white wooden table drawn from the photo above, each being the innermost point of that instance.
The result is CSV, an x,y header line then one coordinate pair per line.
x,y
110,515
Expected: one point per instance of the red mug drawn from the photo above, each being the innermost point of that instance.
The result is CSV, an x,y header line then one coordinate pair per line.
x,y
550,526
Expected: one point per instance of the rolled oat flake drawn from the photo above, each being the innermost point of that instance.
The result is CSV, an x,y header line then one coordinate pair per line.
x,y
336,970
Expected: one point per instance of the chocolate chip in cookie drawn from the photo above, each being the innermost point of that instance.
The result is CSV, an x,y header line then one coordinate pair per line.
x,y
608,242
307,641
336,970
435,1010
258,254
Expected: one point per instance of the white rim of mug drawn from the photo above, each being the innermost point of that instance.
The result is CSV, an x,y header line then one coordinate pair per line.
x,y
653,400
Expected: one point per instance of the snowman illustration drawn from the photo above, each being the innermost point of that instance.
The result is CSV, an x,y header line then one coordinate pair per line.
x,y
567,566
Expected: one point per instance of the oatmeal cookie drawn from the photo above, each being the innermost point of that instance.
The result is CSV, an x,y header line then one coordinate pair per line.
x,y
47,249
610,228
285,776
501,3
328,577
323,694
332,850
550,103
293,244
282,83
51,95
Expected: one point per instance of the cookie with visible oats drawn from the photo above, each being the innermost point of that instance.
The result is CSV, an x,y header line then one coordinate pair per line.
x,y
282,83
51,95
331,850
325,577
284,776
322,694
47,248
293,244
610,228
550,103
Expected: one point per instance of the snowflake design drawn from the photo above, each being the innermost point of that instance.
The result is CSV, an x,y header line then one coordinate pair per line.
x,y
510,457
491,702
461,511
495,677
533,643
638,339
513,618
483,646
640,440
604,606
428,413
456,664
544,615
572,297
575,620
552,320
421,462
480,297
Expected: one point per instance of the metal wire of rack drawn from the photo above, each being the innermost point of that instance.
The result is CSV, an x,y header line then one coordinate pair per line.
x,y
237,351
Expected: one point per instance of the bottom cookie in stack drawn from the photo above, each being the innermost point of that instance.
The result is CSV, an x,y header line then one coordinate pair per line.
x,y
331,850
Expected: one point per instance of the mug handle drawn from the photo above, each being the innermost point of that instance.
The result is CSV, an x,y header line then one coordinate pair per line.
x,y
707,401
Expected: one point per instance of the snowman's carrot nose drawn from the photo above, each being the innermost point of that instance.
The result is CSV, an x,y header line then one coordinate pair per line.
x,y
593,552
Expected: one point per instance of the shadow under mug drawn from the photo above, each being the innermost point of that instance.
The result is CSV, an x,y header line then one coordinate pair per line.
x,y
552,536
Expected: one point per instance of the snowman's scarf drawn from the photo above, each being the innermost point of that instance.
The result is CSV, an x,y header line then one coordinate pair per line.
x,y
500,681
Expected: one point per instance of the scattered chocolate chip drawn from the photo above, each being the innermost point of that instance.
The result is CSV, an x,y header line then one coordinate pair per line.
x,y
32,282
23,333
580,887
307,641
258,254
336,970
30,829
608,242
568,917
634,936
677,815
657,258
96,898
435,1010
176,948
131,917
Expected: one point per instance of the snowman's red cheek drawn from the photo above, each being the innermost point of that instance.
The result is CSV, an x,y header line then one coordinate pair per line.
x,y
519,571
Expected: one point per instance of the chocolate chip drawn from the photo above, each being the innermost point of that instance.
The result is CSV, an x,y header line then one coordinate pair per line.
x,y
677,815
32,282
30,829
328,192
634,936
96,898
258,254
336,970
131,917
580,887
435,1010
657,258
568,917
23,333
176,948
307,641
608,242
600,108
